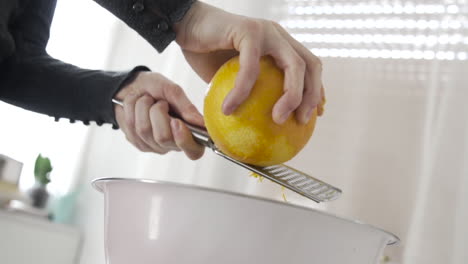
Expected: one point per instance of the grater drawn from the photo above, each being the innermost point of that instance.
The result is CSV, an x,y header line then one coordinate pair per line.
x,y
290,178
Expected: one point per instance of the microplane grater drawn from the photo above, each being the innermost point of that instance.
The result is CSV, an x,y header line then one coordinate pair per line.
x,y
283,175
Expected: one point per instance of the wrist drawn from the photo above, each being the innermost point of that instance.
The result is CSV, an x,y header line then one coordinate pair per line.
x,y
128,85
182,28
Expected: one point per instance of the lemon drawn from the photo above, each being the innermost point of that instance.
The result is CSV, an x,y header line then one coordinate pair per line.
x,y
249,134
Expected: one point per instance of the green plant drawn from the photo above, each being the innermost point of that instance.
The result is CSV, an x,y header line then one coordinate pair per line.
x,y
42,170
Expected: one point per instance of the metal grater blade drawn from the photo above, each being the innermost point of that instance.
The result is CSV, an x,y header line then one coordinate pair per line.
x,y
293,180
288,177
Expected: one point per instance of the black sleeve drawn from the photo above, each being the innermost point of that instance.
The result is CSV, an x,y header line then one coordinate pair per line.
x,y
42,84
152,19
33,80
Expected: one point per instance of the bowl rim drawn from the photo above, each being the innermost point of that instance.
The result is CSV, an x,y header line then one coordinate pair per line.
x,y
97,184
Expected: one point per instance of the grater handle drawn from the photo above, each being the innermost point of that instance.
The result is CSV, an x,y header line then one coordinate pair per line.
x,y
200,135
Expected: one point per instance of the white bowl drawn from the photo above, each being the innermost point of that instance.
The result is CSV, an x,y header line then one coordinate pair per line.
x,y
150,221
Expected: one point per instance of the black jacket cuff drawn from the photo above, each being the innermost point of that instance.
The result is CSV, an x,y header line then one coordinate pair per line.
x,y
152,19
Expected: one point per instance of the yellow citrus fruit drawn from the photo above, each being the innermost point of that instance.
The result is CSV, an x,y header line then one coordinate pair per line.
x,y
249,134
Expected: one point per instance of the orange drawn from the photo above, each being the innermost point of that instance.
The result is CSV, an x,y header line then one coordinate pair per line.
x,y
249,134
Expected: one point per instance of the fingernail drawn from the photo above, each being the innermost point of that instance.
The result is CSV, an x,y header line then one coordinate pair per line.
x,y
227,110
283,118
308,115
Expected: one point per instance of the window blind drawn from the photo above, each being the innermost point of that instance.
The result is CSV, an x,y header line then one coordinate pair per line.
x,y
417,30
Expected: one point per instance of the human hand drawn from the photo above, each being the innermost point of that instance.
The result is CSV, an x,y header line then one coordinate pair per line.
x,y
210,36
145,120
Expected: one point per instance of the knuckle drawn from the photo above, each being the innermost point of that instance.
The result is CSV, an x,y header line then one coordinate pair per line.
x,y
163,138
130,99
156,75
253,25
311,100
276,24
145,100
153,77
296,64
173,90
143,130
300,63
317,62
162,106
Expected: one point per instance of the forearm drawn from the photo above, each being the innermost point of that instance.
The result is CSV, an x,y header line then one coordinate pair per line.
x,y
153,19
43,84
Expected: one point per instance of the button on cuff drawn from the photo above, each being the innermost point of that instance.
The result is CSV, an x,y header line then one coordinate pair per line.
x,y
138,7
162,26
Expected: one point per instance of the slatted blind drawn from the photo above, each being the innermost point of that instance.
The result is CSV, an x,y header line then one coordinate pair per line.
x,y
417,30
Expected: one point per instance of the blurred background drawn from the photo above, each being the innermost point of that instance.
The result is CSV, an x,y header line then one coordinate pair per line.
x,y
394,136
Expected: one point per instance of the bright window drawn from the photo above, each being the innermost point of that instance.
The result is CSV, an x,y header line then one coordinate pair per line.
x,y
418,30
81,34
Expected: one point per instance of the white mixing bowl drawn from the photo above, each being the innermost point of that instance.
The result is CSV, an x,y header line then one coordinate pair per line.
x,y
155,222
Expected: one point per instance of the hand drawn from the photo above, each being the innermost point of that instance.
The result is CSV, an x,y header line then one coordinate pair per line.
x,y
209,36
145,118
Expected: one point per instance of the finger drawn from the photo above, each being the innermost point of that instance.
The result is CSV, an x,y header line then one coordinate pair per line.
x,y
160,122
180,103
184,140
143,126
312,94
161,88
249,61
321,106
119,116
129,109
129,124
313,89
294,69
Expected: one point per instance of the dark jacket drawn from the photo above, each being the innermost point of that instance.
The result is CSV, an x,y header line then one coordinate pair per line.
x,y
31,79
